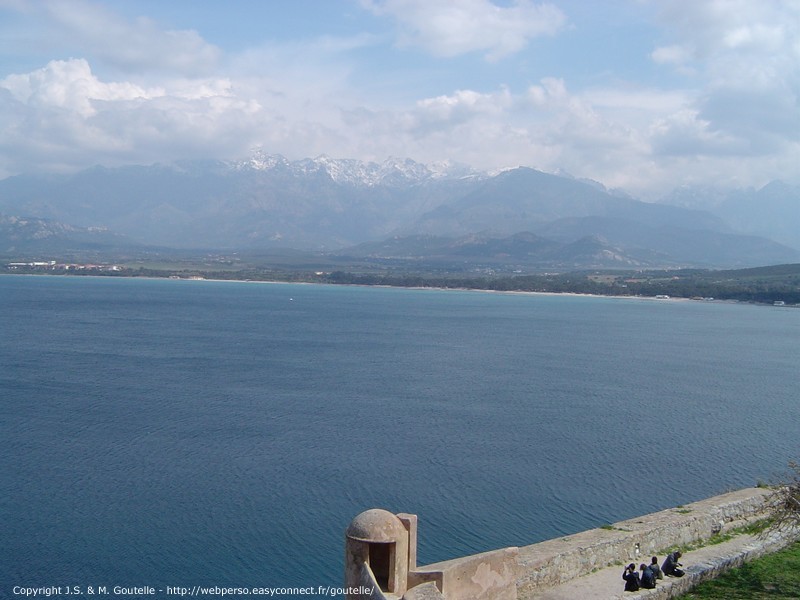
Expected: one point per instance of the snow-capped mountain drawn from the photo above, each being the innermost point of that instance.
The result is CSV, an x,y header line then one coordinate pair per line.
x,y
327,204
392,171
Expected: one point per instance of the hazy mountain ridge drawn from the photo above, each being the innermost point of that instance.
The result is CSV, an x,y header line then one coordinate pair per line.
x,y
265,201
771,211
268,201
19,234
523,250
526,199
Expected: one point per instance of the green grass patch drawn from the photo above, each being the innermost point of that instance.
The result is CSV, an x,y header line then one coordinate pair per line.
x,y
753,528
774,577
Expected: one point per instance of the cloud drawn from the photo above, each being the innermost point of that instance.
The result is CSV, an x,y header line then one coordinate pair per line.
x,y
63,116
131,46
69,85
547,127
735,113
461,106
450,29
747,56
676,55
712,26
145,95
684,133
284,98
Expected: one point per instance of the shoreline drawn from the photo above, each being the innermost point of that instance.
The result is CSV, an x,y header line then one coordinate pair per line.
x,y
658,298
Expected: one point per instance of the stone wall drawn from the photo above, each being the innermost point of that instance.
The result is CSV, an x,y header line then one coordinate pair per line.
x,y
553,562
522,573
486,576
698,573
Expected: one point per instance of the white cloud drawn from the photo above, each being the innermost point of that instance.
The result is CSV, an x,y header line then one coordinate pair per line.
x,y
69,85
547,127
685,133
65,116
136,46
448,29
676,54
736,111
711,24
461,105
746,55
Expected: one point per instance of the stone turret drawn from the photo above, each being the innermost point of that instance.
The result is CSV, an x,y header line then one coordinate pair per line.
x,y
377,551
381,558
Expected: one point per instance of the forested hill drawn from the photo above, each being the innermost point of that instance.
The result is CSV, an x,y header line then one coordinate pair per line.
x,y
780,283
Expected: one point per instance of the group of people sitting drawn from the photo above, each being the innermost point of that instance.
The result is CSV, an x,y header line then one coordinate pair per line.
x,y
651,573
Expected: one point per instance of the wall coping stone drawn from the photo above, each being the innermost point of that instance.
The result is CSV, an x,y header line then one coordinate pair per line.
x,y
700,565
553,562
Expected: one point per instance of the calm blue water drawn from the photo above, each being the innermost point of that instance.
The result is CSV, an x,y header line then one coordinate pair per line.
x,y
173,433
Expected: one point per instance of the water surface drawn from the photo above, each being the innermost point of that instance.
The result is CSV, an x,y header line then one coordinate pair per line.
x,y
165,432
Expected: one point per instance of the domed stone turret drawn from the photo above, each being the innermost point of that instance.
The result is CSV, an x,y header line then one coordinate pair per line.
x,y
379,553
380,563
377,526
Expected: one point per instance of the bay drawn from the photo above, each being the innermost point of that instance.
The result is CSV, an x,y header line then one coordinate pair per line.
x,y
180,433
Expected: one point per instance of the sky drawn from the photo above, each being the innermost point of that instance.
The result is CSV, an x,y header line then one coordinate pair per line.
x,y
642,95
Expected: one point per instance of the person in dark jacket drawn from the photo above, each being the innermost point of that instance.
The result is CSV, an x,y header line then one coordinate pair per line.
x,y
631,578
671,565
647,578
655,568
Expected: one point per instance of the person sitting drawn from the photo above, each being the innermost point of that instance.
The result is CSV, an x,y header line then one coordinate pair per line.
x,y
671,565
647,578
655,568
631,578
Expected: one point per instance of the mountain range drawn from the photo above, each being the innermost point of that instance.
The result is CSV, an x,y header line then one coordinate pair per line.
x,y
396,212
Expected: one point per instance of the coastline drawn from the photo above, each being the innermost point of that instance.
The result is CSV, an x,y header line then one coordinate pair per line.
x,y
655,298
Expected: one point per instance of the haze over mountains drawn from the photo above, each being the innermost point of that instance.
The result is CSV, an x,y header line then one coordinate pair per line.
x,y
398,211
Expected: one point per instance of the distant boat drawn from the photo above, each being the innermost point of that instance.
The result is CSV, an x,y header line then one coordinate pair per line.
x,y
779,303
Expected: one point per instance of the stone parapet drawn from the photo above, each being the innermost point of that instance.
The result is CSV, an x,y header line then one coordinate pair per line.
x,y
706,562
485,576
548,564
699,572
380,555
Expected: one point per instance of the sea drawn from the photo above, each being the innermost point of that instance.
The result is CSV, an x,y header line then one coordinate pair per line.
x,y
173,434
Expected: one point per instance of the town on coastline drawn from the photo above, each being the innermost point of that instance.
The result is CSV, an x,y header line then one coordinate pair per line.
x,y
52,266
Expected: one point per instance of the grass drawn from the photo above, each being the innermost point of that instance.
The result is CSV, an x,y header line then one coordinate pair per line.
x,y
774,577
753,528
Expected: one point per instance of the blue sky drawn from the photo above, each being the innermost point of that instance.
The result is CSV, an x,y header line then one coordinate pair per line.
x,y
639,94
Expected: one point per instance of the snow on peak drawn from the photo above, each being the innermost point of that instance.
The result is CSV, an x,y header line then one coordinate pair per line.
x,y
261,161
392,171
